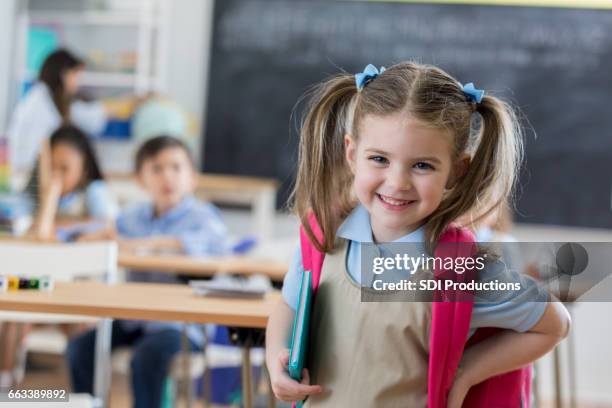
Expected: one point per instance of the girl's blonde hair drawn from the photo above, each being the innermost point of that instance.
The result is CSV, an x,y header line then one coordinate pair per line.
x,y
492,139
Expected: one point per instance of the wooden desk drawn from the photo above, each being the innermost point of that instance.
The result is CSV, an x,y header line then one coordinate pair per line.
x,y
146,301
204,266
142,301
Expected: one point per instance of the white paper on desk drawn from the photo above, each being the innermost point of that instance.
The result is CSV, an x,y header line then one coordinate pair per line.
x,y
235,288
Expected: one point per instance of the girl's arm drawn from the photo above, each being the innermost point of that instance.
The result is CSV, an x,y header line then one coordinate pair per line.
x,y
45,224
277,357
509,351
49,193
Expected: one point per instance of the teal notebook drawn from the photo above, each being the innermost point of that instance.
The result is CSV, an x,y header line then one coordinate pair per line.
x,y
299,338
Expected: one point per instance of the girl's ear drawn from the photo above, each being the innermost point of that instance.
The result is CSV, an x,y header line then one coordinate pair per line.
x,y
458,170
350,151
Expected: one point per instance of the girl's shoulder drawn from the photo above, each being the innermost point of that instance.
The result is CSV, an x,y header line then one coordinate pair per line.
x,y
99,199
96,187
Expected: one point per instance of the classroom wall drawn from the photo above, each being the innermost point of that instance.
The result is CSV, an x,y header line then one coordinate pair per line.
x,y
186,71
7,11
186,74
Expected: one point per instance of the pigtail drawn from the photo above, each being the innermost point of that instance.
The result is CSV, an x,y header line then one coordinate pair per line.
x,y
323,182
492,173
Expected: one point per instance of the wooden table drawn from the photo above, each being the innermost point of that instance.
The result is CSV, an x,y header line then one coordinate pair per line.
x,y
204,266
141,301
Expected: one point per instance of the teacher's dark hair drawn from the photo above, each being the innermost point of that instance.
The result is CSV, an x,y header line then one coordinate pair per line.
x,y
52,74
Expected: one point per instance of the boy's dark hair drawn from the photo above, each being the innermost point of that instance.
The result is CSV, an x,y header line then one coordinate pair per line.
x,y
74,137
154,146
52,74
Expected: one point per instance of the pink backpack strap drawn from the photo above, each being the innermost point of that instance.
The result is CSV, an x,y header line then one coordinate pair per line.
x,y
450,324
450,319
509,390
312,258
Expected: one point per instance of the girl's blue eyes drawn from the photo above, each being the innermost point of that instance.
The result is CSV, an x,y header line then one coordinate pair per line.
x,y
423,166
418,166
379,159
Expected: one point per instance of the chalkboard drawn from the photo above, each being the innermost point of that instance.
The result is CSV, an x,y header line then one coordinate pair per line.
x,y
551,63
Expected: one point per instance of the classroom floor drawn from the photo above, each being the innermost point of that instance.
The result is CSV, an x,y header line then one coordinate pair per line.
x,y
49,371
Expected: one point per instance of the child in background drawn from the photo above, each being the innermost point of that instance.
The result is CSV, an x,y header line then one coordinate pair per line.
x,y
174,221
70,183
72,187
387,157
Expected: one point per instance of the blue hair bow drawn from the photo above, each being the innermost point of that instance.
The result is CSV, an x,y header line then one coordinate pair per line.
x,y
473,94
369,73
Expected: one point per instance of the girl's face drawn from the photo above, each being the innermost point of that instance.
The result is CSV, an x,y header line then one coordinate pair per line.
x,y
72,77
401,170
68,164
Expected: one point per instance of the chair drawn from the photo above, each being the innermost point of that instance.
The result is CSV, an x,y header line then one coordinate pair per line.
x,y
63,262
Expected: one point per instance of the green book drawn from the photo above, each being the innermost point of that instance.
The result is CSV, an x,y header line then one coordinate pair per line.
x,y
301,324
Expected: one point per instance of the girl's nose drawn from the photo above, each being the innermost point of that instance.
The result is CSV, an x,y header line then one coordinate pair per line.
x,y
399,179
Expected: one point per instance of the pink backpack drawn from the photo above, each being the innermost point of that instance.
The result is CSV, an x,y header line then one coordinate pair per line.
x,y
450,321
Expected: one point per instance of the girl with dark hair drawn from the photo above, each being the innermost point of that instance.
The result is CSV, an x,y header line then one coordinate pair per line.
x,y
71,183
50,103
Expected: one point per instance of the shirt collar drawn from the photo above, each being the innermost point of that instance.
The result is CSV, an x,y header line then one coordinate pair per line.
x,y
178,210
357,227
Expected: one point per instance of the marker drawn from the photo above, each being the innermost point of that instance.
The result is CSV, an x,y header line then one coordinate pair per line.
x,y
45,283
24,283
13,283
34,283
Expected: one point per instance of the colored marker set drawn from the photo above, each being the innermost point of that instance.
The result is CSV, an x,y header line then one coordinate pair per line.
x,y
12,283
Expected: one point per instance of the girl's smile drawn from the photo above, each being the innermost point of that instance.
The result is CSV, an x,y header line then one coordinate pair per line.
x,y
401,169
394,204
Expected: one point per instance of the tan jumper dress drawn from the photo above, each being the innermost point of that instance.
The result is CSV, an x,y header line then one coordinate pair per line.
x,y
366,354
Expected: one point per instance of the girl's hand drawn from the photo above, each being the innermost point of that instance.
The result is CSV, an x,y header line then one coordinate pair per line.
x,y
459,390
286,388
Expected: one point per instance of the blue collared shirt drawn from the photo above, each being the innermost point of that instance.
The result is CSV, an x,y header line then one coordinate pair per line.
x,y
196,224
95,201
516,315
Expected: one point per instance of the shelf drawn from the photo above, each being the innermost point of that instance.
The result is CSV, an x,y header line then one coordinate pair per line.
x,y
119,80
101,79
91,18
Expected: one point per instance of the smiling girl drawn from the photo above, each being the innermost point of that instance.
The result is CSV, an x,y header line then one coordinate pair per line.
x,y
391,156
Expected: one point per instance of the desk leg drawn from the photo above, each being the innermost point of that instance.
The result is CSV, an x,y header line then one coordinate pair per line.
x,y
186,366
571,351
557,369
102,373
206,376
535,385
247,381
265,210
271,397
